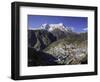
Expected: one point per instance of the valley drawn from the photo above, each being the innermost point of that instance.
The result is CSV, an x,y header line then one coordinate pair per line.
x,y
55,44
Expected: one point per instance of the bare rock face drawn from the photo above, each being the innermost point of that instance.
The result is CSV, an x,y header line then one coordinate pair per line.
x,y
39,39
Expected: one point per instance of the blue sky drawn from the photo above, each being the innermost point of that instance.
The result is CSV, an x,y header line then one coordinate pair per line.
x,y
78,24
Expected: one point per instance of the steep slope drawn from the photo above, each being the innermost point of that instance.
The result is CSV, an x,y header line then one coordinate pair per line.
x,y
46,34
39,39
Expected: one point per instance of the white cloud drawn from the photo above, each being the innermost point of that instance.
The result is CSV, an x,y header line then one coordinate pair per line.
x,y
85,29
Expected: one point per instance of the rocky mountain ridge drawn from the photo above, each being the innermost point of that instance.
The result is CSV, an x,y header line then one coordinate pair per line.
x,y
66,46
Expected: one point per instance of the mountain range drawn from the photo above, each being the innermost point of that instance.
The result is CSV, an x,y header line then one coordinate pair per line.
x,y
58,41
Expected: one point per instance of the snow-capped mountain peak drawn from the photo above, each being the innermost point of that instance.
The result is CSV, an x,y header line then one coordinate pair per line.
x,y
45,26
52,27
